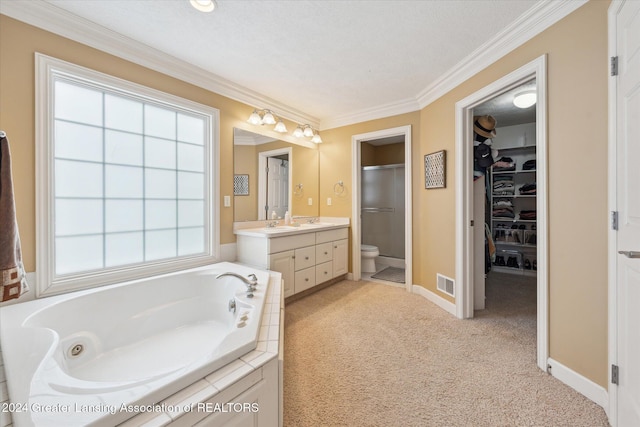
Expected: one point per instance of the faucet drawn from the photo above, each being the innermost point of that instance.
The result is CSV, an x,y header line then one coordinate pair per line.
x,y
312,220
251,281
272,224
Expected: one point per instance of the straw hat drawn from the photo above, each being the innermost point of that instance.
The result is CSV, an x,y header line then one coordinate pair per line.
x,y
485,126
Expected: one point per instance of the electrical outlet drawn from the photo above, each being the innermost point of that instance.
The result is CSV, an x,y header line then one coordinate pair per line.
x,y
227,201
310,201
328,201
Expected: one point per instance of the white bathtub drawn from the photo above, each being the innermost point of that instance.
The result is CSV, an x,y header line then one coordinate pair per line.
x,y
79,358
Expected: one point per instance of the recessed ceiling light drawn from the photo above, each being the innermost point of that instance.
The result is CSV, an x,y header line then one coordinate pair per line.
x,y
203,5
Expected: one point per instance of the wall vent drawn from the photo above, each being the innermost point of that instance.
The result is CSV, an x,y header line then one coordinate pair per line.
x,y
446,285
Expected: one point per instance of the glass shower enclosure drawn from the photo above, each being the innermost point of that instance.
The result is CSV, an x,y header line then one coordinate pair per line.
x,y
382,204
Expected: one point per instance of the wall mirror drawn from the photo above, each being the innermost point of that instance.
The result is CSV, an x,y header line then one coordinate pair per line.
x,y
272,175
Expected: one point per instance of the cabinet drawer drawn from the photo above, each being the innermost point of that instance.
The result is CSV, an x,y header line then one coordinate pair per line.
x,y
324,272
305,257
324,252
330,235
279,244
305,279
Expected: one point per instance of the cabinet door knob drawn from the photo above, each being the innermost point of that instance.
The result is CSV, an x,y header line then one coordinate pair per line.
x,y
326,253
306,279
306,258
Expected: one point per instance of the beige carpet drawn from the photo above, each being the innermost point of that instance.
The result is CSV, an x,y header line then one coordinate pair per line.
x,y
367,354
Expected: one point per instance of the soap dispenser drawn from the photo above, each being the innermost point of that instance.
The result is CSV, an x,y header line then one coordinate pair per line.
x,y
287,218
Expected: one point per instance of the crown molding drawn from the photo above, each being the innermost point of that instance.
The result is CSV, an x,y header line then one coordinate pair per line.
x,y
537,19
387,110
58,21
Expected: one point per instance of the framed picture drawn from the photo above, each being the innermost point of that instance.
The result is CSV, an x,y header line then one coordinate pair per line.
x,y
241,185
434,170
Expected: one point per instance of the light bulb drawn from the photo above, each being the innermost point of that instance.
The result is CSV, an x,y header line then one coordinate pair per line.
x,y
268,118
316,139
298,132
308,132
280,127
255,118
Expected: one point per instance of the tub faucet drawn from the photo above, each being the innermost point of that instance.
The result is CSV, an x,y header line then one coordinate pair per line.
x,y
251,281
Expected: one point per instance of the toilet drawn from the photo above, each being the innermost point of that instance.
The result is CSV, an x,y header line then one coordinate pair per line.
x,y
369,254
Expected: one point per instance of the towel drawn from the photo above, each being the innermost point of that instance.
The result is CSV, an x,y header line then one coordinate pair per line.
x,y
13,280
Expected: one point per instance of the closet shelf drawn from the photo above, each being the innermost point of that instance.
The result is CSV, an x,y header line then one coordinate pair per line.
x,y
517,171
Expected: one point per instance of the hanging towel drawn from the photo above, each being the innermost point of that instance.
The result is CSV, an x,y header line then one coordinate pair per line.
x,y
13,281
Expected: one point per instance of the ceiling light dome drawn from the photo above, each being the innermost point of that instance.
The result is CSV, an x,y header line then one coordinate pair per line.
x,y
525,99
203,5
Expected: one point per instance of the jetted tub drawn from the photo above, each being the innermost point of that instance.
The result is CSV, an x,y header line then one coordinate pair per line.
x,y
79,358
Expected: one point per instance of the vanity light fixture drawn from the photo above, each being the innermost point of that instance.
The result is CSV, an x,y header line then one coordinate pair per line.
x,y
266,117
525,99
203,5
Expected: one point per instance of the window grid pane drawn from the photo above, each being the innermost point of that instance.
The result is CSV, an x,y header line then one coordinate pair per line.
x,y
130,171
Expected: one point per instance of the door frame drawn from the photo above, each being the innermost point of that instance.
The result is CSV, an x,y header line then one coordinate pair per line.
x,y
464,195
356,178
262,176
612,412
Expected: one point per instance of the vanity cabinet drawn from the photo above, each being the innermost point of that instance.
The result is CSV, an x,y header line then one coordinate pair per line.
x,y
304,259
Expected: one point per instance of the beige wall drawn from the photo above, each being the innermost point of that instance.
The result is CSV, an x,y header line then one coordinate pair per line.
x,y
577,142
245,161
377,155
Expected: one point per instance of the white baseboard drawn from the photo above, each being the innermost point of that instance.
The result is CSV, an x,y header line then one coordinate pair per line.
x,y
579,383
436,299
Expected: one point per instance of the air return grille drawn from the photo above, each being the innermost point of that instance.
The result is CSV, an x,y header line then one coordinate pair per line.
x,y
446,285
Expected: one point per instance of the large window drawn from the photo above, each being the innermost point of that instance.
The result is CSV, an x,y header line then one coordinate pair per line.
x,y
126,182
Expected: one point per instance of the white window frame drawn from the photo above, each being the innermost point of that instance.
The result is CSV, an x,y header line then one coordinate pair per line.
x,y
47,283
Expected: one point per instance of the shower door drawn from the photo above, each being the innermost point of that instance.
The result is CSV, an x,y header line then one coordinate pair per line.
x,y
383,209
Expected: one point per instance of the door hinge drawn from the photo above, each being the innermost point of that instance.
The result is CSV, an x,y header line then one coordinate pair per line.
x,y
614,220
614,65
614,375
471,223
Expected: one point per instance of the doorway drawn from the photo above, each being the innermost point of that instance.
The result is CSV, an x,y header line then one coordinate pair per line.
x,y
380,137
504,201
274,176
465,255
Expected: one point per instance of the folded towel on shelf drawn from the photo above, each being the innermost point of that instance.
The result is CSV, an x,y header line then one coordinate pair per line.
x,y
13,281
528,214
529,189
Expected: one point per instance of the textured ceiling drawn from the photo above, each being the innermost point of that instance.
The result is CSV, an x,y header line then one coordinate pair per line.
x,y
324,58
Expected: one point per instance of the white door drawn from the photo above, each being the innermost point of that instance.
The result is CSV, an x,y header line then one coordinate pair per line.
x,y
628,204
277,186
